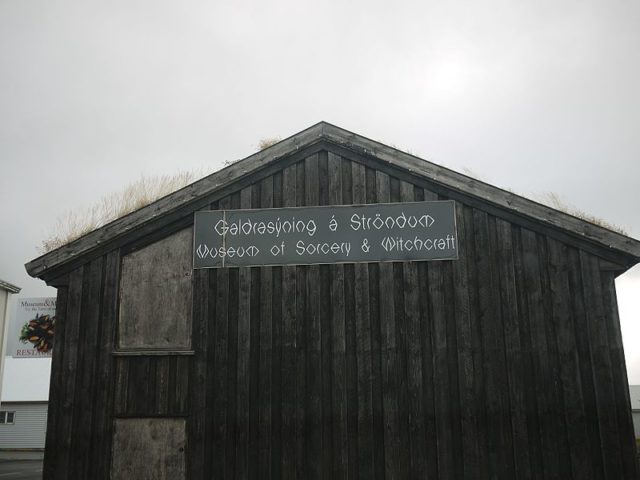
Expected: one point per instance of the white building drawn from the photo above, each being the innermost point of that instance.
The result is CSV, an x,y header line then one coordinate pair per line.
x,y
23,406
23,411
634,390
6,289
23,425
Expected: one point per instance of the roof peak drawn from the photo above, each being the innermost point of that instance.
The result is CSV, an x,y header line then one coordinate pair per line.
x,y
326,136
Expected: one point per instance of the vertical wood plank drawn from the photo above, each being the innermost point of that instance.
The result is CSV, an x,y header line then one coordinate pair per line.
x,y
162,380
401,343
350,340
232,369
302,436
300,184
181,385
339,379
452,359
152,388
278,189
601,362
302,431
514,363
173,382
618,367
417,432
276,369
71,342
499,355
326,358
524,326
352,370
428,358
254,382
483,465
196,425
326,354
85,399
121,384
278,334
568,361
243,365
314,338
138,371
231,384
254,359
426,345
376,349
210,414
542,375
266,339
338,340
558,422
314,374
106,367
289,320
363,352
437,404
491,331
389,355
581,333
376,370
441,386
464,337
56,392
363,341
220,367
323,178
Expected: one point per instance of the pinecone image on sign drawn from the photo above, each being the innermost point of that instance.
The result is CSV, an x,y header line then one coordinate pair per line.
x,y
39,332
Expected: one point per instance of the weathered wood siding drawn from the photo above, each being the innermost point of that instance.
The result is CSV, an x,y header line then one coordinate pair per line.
x,y
155,295
505,364
149,449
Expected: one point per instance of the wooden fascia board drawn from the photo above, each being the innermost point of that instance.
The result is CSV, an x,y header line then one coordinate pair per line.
x,y
173,207
573,226
621,261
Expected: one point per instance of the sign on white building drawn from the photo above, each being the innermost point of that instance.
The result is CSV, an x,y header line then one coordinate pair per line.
x,y
32,328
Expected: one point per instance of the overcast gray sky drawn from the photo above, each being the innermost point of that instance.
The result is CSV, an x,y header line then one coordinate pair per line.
x,y
534,96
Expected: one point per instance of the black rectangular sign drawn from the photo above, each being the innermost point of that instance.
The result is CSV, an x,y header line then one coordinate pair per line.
x,y
333,234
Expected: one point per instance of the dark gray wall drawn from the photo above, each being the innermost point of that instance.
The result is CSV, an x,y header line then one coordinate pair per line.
x,y
506,363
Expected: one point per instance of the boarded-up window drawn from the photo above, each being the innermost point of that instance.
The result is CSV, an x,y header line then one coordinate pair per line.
x,y
148,449
155,295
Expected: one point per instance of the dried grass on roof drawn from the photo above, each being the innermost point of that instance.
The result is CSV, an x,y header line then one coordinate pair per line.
x,y
147,189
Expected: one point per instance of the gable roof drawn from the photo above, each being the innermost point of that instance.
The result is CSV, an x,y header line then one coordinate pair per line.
x,y
624,251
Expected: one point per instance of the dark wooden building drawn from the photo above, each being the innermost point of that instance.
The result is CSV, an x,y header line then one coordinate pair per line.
x,y
506,363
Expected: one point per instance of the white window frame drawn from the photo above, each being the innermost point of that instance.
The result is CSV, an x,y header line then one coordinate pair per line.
x,y
5,415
